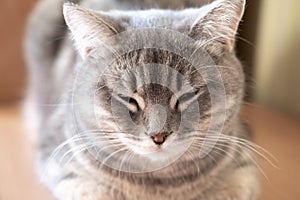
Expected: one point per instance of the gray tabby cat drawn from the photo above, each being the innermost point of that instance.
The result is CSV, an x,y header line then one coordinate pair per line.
x,y
126,112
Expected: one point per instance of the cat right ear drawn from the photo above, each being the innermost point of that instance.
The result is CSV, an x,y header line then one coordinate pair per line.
x,y
87,28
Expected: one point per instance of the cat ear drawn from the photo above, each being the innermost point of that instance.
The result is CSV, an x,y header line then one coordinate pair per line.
x,y
217,26
87,28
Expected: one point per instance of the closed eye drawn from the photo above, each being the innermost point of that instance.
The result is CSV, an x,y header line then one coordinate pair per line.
x,y
134,103
186,99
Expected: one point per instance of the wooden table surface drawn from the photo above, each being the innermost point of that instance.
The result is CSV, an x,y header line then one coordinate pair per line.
x,y
277,133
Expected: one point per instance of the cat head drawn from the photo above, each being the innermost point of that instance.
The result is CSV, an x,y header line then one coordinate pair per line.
x,y
180,75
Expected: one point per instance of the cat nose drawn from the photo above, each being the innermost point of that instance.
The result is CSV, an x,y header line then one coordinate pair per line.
x,y
159,138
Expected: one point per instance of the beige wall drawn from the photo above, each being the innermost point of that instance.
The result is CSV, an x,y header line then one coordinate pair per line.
x,y
278,53
13,15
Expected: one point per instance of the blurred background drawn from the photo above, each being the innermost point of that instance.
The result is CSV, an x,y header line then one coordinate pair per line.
x,y
268,45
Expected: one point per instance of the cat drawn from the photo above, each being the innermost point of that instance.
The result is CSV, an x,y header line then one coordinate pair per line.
x,y
139,100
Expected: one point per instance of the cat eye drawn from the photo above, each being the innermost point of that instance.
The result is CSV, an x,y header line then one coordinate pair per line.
x,y
184,100
134,103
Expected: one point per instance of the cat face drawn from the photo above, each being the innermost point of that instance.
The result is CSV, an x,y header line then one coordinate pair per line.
x,y
153,102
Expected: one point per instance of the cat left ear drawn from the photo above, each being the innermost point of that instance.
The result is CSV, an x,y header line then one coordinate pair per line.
x,y
87,28
218,25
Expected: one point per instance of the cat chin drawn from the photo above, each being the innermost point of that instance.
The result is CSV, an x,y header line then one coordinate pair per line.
x,y
156,155
146,150
162,153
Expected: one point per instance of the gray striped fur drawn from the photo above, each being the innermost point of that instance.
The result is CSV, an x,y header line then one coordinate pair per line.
x,y
55,55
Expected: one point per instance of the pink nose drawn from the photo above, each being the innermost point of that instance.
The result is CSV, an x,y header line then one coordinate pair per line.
x,y
158,138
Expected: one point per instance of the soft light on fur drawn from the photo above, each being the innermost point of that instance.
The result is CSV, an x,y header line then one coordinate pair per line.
x,y
88,123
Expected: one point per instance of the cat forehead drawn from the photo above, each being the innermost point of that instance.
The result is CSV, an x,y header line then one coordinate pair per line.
x,y
155,17
156,13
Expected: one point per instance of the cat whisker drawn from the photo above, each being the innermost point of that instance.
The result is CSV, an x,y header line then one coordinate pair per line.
x,y
130,155
75,151
103,162
246,42
241,143
75,138
252,146
53,157
214,146
192,158
249,147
